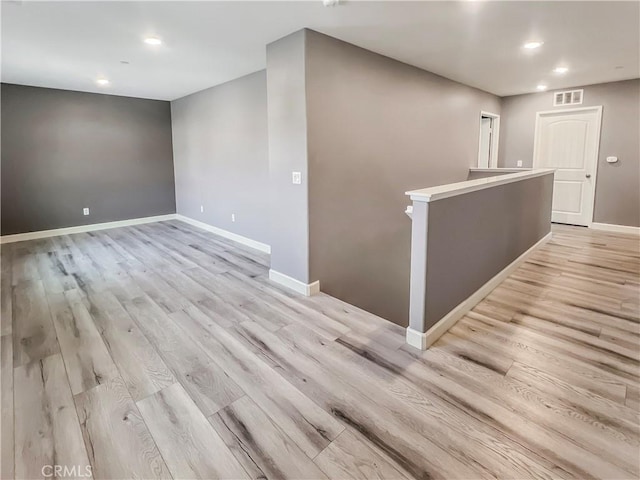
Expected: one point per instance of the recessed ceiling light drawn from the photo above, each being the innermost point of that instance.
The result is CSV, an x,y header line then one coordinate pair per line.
x,y
102,82
560,70
532,45
541,87
153,41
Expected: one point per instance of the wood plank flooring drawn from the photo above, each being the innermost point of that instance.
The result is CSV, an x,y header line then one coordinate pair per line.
x,y
162,351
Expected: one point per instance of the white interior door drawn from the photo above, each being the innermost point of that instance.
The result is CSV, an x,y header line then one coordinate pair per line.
x,y
485,142
568,141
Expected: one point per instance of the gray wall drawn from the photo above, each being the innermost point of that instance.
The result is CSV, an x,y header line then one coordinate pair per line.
x,y
377,128
287,109
221,157
475,175
472,237
617,185
63,151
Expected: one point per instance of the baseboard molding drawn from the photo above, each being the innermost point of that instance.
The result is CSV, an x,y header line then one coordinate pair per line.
x,y
609,227
21,237
307,289
425,340
263,247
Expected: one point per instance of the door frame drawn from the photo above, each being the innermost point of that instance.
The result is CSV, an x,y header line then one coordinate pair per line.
x,y
495,138
594,173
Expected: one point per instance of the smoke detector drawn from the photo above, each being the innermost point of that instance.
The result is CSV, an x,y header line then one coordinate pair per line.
x,y
330,3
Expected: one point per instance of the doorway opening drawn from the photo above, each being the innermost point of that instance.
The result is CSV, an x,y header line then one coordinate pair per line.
x,y
488,143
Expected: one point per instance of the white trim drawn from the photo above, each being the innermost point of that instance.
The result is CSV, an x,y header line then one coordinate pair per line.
x,y
616,228
452,189
416,339
307,289
445,323
495,138
501,170
263,247
21,237
594,174
409,211
569,110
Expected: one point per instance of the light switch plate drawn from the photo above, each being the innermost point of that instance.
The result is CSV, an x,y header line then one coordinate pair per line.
x,y
519,163
85,211
296,178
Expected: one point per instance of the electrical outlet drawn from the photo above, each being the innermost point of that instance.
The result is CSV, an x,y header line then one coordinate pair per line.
x,y
296,178
201,208
85,211
233,217
519,163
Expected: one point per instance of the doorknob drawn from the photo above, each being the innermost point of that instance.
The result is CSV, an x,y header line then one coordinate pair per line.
x,y
588,175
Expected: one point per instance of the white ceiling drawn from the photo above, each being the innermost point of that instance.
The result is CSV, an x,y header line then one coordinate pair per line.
x,y
69,44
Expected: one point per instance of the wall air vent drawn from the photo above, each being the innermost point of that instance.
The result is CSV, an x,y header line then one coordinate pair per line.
x,y
569,97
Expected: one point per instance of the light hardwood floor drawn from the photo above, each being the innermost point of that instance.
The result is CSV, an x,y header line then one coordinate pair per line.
x,y
162,351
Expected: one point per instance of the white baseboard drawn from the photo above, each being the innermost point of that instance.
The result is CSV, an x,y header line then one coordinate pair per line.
x,y
263,247
425,340
307,289
616,228
21,237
